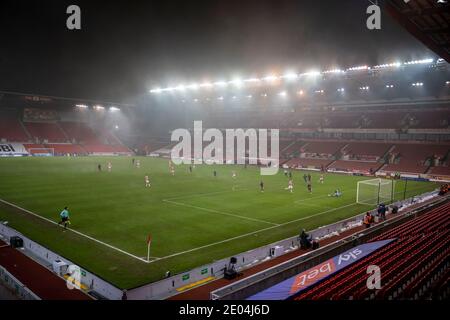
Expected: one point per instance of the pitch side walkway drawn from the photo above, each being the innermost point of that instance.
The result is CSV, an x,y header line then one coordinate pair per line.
x,y
203,292
36,277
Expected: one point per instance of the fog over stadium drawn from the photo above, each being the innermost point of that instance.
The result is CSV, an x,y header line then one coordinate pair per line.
x,y
237,151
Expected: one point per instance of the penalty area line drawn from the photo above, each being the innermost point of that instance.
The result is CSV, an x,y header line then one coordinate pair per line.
x,y
253,232
219,212
79,233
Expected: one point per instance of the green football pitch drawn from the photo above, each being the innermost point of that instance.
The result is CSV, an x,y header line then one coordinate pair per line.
x,y
194,218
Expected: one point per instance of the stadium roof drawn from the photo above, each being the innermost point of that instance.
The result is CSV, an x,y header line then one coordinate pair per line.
x,y
427,20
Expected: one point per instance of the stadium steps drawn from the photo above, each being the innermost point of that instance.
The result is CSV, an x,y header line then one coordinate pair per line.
x,y
63,132
26,131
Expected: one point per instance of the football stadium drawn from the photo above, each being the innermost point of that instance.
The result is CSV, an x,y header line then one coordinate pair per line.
x,y
311,182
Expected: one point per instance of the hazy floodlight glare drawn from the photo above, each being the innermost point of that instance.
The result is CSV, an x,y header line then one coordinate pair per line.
x,y
221,83
236,82
424,61
270,78
193,86
255,80
291,76
98,107
156,90
206,85
114,109
83,106
312,73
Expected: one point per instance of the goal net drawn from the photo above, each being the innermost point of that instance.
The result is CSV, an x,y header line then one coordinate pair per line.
x,y
375,191
42,152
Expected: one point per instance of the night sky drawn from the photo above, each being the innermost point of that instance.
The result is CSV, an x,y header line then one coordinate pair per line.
x,y
128,47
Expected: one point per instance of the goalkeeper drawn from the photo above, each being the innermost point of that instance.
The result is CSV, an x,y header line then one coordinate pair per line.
x,y
64,215
337,193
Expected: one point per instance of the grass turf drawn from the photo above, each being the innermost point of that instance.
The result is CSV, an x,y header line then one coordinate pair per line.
x,y
194,218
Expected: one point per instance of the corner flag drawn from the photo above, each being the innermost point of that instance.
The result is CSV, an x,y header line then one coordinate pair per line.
x,y
149,242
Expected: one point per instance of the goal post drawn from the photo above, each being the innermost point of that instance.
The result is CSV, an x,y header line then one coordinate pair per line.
x,y
41,152
375,191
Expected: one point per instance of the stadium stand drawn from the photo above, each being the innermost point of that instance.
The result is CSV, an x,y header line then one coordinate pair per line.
x,y
413,264
355,166
11,130
365,151
41,131
308,163
80,132
440,170
66,148
411,158
322,149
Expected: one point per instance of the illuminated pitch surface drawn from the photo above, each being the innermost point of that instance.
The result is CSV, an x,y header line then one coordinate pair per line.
x,y
192,217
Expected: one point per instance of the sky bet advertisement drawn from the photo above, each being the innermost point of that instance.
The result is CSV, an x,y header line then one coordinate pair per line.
x,y
304,280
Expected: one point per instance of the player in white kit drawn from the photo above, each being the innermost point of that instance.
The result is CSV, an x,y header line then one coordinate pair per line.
x,y
109,166
290,186
147,181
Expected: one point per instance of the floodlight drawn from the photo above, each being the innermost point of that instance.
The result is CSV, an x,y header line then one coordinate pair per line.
x,y
206,85
220,83
270,78
193,86
290,76
237,82
252,80
156,90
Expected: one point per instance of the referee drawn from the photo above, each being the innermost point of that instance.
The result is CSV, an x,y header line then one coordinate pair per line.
x,y
64,217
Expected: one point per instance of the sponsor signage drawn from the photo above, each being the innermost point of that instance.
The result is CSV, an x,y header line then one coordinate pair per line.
x,y
12,149
304,280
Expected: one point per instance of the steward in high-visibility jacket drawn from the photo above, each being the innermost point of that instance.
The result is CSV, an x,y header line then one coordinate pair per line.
x,y
367,220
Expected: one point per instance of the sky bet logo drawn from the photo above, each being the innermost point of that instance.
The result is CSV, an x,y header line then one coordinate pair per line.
x,y
325,269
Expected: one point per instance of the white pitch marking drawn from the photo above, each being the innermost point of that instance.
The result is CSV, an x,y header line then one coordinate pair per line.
x,y
250,233
77,232
220,212
204,194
